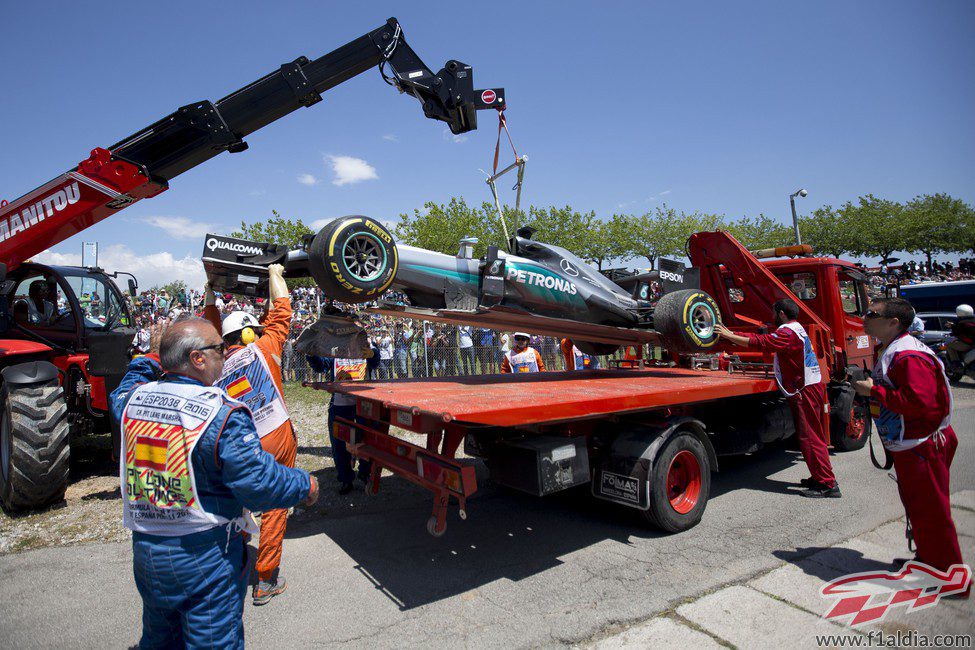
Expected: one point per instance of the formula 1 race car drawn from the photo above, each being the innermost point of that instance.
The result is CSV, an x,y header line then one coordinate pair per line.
x,y
535,287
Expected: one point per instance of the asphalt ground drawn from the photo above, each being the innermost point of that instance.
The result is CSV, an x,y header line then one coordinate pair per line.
x,y
521,571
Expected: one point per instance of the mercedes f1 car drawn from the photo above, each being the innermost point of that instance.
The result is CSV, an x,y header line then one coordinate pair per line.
x,y
534,286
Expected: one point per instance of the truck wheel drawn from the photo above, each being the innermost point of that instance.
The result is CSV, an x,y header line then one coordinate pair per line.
x,y
685,319
34,445
353,259
596,349
680,483
852,435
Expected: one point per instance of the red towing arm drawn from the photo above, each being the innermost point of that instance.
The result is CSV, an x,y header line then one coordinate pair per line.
x,y
725,263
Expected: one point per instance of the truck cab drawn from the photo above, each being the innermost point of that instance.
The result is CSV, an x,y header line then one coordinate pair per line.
x,y
836,291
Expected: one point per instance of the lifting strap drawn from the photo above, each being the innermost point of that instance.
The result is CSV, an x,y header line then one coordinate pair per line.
x,y
502,124
518,164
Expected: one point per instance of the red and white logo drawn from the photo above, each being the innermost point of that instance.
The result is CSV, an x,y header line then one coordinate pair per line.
x,y
868,596
488,96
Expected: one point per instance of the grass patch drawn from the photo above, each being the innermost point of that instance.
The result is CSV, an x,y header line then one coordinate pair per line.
x,y
309,396
27,543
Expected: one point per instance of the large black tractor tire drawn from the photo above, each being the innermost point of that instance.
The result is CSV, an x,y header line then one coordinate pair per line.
x,y
596,349
685,320
34,445
353,259
680,484
851,433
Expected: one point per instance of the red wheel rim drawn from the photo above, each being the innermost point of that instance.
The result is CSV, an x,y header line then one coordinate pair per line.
x,y
857,424
684,482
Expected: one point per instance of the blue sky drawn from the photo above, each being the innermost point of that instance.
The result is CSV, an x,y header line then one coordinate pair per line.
x,y
717,106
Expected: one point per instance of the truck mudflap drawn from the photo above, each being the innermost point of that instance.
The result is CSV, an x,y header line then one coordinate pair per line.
x,y
623,473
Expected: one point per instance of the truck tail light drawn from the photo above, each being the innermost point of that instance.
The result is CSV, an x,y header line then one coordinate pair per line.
x,y
436,472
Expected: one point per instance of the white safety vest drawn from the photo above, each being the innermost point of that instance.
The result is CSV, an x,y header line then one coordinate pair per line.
x,y
247,378
811,373
161,426
522,361
890,425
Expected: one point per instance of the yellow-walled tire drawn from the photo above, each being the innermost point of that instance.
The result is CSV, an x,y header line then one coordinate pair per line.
x,y
685,320
353,259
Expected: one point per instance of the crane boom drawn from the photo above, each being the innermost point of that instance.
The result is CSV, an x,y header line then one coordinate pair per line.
x,y
141,165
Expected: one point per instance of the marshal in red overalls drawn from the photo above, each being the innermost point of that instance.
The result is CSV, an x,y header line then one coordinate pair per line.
x,y
800,380
911,406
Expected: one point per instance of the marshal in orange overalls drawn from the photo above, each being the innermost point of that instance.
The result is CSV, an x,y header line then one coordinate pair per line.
x,y
281,442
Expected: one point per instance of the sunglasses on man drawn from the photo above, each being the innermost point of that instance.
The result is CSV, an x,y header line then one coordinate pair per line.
x,y
874,314
219,347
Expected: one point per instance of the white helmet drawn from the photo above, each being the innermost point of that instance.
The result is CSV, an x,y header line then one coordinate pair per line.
x,y
964,311
238,320
524,334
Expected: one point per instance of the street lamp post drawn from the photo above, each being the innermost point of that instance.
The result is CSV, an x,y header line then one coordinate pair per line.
x,y
795,219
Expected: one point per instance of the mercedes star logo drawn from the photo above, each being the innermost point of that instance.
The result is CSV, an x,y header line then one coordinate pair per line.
x,y
568,268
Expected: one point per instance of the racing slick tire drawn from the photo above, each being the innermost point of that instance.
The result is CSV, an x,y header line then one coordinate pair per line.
x,y
685,320
680,483
34,445
853,434
596,349
353,259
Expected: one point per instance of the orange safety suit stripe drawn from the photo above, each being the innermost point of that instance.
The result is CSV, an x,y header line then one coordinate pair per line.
x,y
280,443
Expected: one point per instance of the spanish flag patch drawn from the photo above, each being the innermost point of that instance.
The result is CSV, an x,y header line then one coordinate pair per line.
x,y
238,387
151,453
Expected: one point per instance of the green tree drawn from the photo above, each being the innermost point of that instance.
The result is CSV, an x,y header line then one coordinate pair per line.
x,y
936,224
760,232
966,232
277,230
880,224
605,241
657,234
826,231
563,226
440,227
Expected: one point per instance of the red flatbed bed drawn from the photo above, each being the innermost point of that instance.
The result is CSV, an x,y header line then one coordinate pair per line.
x,y
511,400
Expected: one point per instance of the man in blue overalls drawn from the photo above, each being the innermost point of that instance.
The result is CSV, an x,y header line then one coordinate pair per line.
x,y
191,461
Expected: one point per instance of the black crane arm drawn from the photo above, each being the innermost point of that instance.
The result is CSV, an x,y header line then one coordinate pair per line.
x,y
197,132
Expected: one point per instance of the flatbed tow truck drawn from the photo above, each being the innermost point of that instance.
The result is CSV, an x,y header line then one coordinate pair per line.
x,y
643,434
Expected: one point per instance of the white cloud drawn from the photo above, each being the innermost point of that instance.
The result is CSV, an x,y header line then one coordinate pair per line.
x,y
151,269
456,139
349,170
180,227
308,179
391,137
665,193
